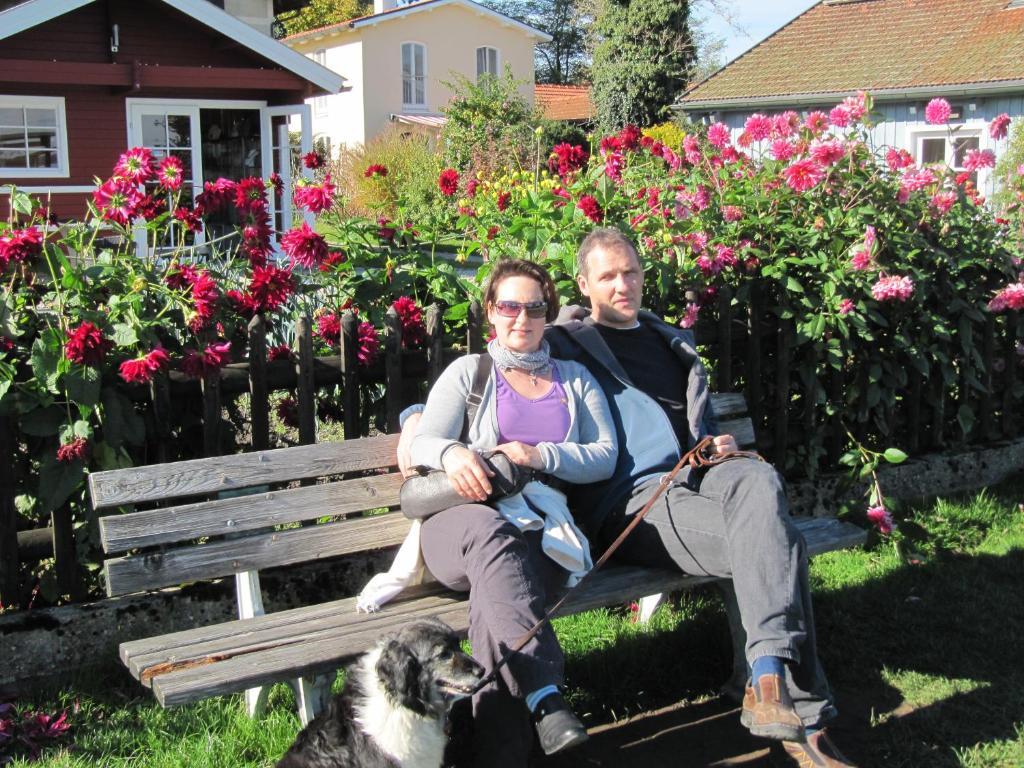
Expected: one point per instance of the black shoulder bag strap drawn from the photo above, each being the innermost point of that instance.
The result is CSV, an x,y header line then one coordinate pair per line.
x,y
476,395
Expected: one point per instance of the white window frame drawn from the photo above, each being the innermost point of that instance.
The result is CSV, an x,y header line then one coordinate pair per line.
x,y
970,129
497,61
319,102
63,169
413,105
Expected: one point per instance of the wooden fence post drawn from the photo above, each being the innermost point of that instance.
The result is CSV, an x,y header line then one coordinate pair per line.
x,y
914,410
985,403
782,359
305,388
938,398
350,373
211,414
259,399
753,371
392,369
9,586
474,333
160,396
65,554
435,342
1010,373
723,365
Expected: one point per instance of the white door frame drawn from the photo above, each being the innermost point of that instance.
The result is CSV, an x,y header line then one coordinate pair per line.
x,y
305,114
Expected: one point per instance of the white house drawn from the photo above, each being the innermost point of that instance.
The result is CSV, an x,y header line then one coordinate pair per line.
x,y
398,58
903,52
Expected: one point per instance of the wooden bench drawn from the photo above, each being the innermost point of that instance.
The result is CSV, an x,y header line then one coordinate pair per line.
x,y
237,515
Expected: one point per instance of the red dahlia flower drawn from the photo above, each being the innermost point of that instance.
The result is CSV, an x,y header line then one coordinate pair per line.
x,y
136,166
117,200
591,208
198,365
304,246
215,195
334,258
280,352
250,193
315,198
271,286
414,332
76,450
190,219
87,345
567,158
140,370
243,303
313,160
448,182
375,170
170,173
204,299
328,327
369,344
504,198
20,245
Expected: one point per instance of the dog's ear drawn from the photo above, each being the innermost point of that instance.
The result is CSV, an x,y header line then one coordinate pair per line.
x,y
399,672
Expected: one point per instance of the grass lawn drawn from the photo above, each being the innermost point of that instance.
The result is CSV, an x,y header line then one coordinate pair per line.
x,y
922,655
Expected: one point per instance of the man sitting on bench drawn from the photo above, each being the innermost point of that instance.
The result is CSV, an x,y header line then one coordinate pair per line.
x,y
730,521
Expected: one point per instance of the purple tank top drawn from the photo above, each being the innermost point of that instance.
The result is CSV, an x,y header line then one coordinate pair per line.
x,y
544,420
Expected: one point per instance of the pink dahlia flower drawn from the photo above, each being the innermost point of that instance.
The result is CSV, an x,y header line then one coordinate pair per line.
x,y
999,126
942,202
758,126
938,112
304,246
1010,297
316,198
689,319
170,173
893,288
718,135
978,159
136,166
827,152
881,518
369,344
817,122
840,117
803,175
782,150
845,307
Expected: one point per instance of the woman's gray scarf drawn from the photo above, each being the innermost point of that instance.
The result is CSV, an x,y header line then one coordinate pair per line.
x,y
532,362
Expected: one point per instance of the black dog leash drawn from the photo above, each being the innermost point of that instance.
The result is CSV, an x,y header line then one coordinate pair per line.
x,y
697,457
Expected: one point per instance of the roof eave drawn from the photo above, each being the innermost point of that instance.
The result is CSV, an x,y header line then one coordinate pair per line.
x,y
879,94
482,10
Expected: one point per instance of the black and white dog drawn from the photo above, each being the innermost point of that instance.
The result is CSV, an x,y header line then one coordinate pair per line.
x,y
393,708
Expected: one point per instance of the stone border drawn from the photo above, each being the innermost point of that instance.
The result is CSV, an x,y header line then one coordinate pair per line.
x,y
52,644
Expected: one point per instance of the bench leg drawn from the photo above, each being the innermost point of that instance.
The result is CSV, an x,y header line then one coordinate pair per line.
x,y
647,606
311,696
250,604
734,686
256,700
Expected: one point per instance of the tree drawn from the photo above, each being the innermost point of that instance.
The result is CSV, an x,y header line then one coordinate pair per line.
x,y
321,13
565,58
642,60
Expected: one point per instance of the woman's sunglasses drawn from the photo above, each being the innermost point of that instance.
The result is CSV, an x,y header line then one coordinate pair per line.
x,y
533,309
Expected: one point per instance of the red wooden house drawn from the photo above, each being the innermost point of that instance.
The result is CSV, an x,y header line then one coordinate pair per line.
x,y
82,80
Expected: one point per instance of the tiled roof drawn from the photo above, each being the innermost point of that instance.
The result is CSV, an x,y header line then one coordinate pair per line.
x,y
846,45
564,102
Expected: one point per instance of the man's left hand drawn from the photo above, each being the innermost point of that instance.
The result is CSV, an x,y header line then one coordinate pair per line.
x,y
725,444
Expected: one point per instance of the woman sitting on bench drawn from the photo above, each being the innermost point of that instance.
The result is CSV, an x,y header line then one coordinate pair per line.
x,y
552,416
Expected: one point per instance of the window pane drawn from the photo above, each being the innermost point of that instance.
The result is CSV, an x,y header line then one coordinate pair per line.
x,y
420,99
41,118
42,139
962,147
481,61
154,130
406,59
12,137
492,61
179,131
185,155
933,151
12,159
46,159
418,61
12,116
406,91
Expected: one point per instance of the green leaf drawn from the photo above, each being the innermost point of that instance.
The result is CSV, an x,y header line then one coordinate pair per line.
x,y
83,385
965,416
125,335
21,202
57,481
121,424
9,317
45,360
42,422
894,456
792,284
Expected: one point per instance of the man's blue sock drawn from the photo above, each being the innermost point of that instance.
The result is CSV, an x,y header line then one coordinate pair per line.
x,y
767,665
536,697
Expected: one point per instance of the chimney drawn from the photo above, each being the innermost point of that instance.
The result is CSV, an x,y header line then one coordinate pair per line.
x,y
379,6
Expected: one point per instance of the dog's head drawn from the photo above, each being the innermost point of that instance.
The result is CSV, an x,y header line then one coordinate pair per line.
x,y
422,667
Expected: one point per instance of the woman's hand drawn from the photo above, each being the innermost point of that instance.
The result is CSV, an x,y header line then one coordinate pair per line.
x,y
522,454
405,444
467,473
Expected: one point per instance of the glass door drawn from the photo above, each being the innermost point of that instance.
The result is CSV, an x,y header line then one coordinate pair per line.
x,y
287,136
170,129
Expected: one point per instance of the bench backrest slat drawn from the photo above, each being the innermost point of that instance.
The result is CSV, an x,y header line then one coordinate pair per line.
x,y
161,482
741,429
170,525
216,559
729,404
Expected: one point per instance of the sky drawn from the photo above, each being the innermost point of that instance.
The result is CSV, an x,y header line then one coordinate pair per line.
x,y
759,18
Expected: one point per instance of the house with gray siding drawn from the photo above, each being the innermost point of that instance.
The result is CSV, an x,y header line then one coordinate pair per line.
x,y
903,52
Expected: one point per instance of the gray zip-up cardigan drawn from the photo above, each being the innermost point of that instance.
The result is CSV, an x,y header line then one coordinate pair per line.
x,y
587,454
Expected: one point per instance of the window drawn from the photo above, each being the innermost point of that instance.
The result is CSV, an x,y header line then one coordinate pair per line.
x,y
320,102
414,70
33,137
961,146
486,62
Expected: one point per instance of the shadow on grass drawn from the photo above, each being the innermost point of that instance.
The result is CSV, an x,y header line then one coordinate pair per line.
x,y
922,660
